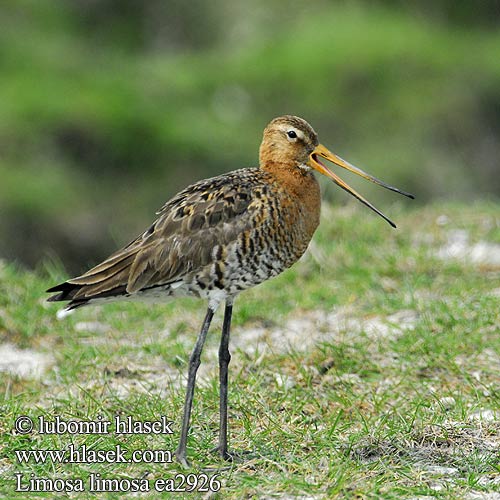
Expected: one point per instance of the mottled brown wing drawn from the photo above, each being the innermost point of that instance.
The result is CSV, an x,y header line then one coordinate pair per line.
x,y
189,229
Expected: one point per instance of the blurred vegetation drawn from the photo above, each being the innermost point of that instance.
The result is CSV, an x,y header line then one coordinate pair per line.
x,y
108,107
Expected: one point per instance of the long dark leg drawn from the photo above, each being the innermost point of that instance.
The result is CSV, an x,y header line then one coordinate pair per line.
x,y
194,363
224,359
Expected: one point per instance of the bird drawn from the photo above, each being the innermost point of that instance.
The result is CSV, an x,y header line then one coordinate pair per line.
x,y
219,237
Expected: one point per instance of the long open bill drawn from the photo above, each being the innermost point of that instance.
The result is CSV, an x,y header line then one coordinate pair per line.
x,y
315,163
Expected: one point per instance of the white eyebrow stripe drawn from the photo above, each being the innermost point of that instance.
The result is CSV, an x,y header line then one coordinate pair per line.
x,y
286,128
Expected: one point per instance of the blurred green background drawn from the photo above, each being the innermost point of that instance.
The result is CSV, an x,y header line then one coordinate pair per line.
x,y
108,107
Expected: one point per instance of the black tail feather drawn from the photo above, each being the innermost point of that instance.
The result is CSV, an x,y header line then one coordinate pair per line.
x,y
66,292
76,304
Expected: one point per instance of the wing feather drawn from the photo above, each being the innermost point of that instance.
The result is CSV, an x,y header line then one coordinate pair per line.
x,y
189,227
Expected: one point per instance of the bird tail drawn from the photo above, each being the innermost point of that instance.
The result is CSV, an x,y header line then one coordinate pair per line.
x,y
105,281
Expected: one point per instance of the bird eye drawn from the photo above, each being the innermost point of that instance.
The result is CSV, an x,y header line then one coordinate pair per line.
x,y
292,134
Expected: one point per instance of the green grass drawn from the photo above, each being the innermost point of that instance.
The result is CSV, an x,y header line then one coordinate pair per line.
x,y
354,413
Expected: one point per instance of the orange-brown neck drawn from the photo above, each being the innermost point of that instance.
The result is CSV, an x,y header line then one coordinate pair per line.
x,y
298,187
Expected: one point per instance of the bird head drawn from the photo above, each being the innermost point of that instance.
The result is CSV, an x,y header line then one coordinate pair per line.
x,y
291,140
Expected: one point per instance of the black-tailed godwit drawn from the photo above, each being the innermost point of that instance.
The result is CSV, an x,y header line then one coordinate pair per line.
x,y
221,236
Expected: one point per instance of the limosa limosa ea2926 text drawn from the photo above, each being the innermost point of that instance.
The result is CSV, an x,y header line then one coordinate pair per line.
x,y
221,236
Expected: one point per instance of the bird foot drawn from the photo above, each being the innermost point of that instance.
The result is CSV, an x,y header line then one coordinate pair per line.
x,y
223,453
232,456
182,459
